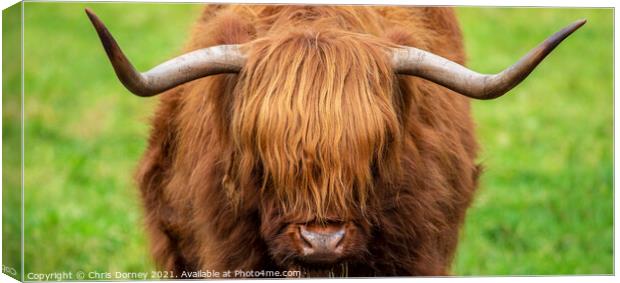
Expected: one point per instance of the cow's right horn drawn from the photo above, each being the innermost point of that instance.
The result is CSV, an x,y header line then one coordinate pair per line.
x,y
187,67
412,61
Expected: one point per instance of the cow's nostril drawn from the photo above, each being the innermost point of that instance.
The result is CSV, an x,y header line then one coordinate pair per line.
x,y
304,238
322,243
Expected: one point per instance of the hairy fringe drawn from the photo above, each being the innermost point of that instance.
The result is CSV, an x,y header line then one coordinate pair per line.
x,y
318,145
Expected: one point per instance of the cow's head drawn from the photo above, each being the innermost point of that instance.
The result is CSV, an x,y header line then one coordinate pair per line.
x,y
315,124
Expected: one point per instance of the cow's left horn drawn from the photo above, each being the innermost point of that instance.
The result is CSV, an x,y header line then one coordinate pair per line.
x,y
416,62
187,67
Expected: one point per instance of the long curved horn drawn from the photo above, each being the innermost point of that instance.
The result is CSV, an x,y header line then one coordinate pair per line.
x,y
416,62
187,67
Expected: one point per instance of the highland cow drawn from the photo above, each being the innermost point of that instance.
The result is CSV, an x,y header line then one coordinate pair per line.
x,y
333,141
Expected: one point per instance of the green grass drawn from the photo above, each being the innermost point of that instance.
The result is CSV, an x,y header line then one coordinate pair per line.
x,y
85,134
544,206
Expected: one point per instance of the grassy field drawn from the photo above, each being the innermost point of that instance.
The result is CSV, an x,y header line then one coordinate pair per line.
x,y
544,206
546,200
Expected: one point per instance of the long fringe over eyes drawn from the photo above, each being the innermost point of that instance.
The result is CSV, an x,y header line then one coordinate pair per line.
x,y
316,113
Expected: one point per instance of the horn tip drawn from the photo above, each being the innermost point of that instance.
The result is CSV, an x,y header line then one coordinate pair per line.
x,y
92,17
580,23
576,25
89,12
104,35
559,36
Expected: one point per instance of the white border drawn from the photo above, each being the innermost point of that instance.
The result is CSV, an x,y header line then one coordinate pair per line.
x,y
500,3
503,3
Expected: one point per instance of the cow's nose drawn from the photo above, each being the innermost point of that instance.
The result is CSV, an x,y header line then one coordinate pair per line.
x,y
322,243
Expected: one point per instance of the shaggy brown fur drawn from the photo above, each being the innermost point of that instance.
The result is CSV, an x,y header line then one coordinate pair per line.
x,y
316,128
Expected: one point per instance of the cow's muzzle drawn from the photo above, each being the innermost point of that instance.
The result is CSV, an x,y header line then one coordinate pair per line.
x,y
322,243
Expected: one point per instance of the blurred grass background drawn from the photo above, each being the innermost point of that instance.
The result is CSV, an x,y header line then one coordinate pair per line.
x,y
545,202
